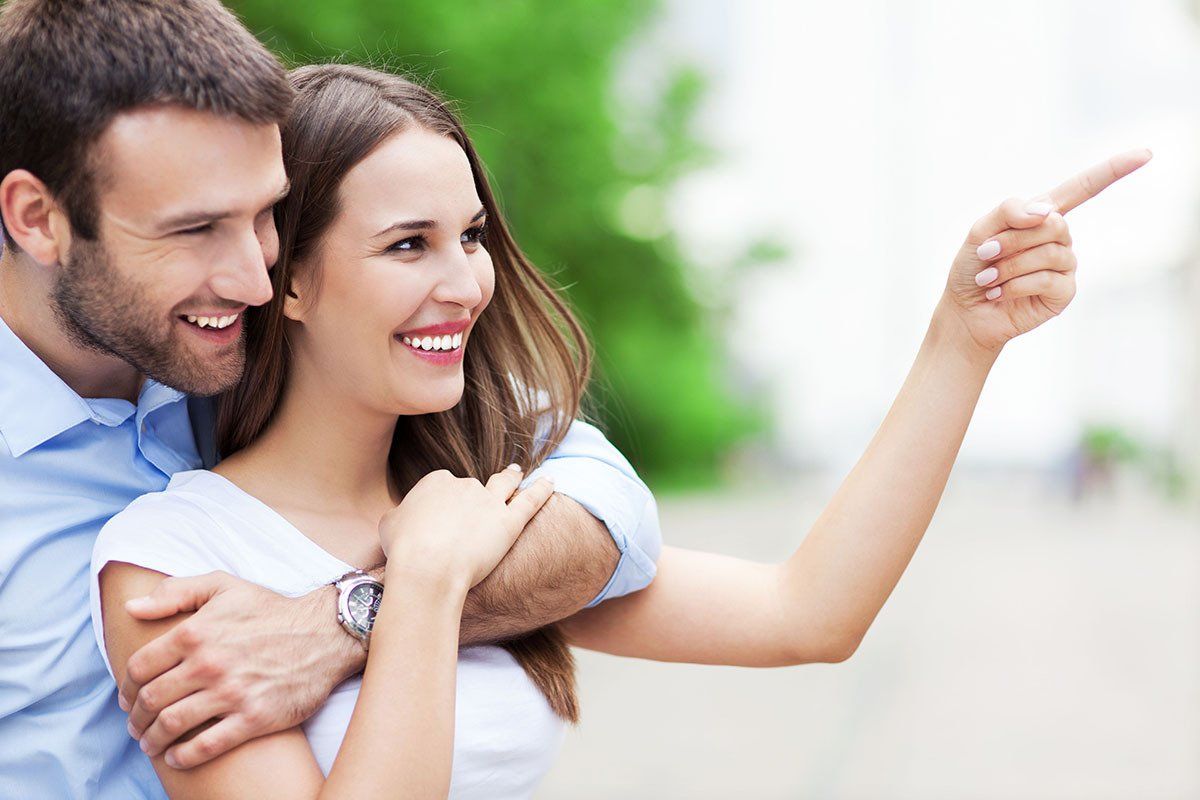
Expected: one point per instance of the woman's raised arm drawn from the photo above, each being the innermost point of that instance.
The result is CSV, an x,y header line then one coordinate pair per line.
x,y
1015,270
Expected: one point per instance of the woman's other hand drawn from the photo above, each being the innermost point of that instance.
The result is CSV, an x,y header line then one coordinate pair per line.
x,y
459,527
1016,268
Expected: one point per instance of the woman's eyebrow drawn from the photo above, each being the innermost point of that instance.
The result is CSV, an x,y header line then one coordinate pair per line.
x,y
422,224
409,225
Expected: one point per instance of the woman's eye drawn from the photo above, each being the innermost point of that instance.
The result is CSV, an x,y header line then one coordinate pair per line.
x,y
473,235
409,245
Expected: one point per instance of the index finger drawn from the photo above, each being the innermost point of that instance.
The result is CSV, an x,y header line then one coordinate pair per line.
x,y
530,500
1095,179
151,660
505,482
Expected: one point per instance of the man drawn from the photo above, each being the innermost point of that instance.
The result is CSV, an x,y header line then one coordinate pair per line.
x,y
102,259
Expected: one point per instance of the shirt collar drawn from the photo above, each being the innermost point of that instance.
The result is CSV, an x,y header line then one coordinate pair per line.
x,y
36,405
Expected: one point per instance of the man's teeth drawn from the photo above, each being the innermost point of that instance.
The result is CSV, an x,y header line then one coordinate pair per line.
x,y
435,342
213,322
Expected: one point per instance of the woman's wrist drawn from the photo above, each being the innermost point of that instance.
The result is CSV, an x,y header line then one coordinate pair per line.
x,y
949,335
428,580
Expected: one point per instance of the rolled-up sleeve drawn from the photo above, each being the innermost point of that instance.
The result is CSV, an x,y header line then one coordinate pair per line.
x,y
588,469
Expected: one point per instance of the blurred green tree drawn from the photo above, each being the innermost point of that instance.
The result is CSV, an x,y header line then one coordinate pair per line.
x,y
581,182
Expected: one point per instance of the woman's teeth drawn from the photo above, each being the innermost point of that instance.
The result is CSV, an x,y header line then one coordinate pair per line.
x,y
213,322
435,342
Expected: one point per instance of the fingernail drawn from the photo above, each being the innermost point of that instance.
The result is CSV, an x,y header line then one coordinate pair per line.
x,y
135,603
123,703
144,745
514,467
171,760
987,276
1039,209
133,734
993,293
989,249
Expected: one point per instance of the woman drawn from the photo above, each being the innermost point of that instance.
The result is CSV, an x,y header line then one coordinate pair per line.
x,y
375,366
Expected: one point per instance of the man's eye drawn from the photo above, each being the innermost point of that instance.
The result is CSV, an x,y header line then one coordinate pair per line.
x,y
205,228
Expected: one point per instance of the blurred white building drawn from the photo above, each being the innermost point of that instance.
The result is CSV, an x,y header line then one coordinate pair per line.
x,y
867,137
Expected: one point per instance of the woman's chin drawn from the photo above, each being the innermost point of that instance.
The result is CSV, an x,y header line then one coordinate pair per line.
x,y
433,402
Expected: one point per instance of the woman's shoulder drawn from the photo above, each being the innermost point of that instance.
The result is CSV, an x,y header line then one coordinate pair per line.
x,y
188,498
177,526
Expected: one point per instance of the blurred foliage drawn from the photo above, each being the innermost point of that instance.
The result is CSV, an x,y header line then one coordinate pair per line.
x,y
1107,447
1109,444
582,181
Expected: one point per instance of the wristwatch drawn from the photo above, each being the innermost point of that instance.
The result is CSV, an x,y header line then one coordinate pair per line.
x,y
358,602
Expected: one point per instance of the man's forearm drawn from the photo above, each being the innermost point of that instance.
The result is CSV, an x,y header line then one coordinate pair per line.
x,y
563,559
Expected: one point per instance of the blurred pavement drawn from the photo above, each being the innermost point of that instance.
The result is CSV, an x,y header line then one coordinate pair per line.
x,y
1034,649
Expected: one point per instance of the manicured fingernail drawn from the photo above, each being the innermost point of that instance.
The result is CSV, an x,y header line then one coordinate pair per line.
x,y
1039,209
993,293
133,734
987,276
171,760
989,249
514,467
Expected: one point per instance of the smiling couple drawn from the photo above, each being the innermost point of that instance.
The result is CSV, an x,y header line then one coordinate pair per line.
x,y
373,590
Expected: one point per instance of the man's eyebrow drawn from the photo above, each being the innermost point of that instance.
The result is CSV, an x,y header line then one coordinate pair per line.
x,y
422,224
191,219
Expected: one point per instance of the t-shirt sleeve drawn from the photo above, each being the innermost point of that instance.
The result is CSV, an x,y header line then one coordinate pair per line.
x,y
163,532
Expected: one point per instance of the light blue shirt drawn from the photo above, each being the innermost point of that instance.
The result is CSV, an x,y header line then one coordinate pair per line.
x,y
68,464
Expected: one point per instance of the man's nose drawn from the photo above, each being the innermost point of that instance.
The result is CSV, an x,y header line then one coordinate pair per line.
x,y
244,278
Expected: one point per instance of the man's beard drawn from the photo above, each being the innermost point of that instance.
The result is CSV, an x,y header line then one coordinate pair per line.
x,y
103,311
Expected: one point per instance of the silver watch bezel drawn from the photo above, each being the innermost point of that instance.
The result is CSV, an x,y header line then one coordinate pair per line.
x,y
345,585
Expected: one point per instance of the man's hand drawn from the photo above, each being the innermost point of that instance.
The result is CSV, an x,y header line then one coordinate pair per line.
x,y
261,662
258,661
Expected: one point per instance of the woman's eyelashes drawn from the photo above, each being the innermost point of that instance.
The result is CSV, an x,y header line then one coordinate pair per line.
x,y
470,238
473,235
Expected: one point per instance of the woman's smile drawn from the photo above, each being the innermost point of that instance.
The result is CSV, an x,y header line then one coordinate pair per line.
x,y
440,344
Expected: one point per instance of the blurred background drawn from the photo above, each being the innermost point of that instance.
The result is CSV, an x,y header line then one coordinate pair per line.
x,y
753,206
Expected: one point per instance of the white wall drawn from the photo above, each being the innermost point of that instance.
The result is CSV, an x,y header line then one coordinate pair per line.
x,y
868,136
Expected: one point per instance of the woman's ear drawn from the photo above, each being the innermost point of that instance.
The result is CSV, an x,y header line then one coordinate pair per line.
x,y
294,301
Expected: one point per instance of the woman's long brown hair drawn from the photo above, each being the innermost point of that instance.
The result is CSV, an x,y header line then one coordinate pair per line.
x,y
528,363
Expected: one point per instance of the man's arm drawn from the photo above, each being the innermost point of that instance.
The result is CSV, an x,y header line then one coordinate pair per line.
x,y
603,515
596,539
564,558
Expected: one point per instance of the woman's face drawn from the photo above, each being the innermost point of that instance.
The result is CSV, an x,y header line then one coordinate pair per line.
x,y
400,278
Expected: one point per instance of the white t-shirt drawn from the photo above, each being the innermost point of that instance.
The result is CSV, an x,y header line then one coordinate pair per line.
x,y
506,737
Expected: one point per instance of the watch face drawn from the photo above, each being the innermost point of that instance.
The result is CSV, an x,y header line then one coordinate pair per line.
x,y
363,604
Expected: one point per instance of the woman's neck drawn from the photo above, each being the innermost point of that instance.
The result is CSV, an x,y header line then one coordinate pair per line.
x,y
321,452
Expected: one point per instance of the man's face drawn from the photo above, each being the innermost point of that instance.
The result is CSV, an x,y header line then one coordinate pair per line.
x,y
185,234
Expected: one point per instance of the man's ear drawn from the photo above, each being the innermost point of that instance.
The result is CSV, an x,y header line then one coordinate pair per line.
x,y
36,224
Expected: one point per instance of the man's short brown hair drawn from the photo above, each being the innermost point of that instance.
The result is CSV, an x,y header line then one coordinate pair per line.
x,y
68,67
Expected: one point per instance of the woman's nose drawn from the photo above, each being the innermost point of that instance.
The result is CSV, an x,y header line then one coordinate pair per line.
x,y
460,283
